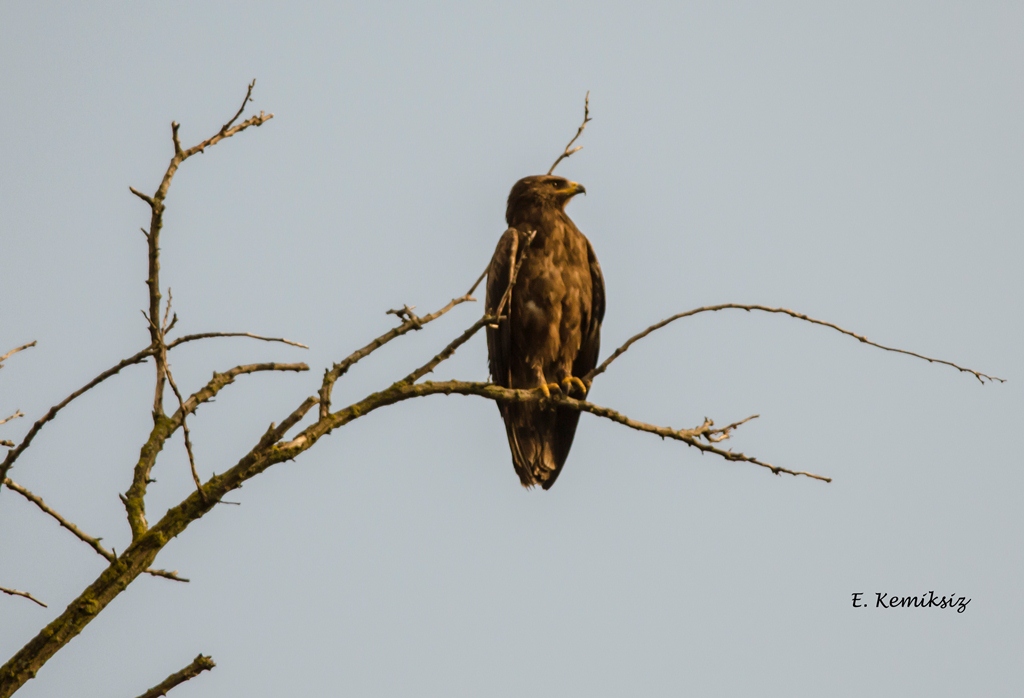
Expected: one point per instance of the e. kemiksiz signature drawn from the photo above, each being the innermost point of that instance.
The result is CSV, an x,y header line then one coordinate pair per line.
x,y
929,600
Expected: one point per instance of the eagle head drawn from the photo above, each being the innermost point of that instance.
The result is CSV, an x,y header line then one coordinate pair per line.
x,y
540,192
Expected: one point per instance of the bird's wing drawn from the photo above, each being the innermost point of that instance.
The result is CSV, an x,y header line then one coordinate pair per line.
x,y
590,345
562,429
499,340
519,419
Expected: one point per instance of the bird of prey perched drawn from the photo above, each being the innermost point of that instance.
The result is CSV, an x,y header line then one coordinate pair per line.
x,y
550,333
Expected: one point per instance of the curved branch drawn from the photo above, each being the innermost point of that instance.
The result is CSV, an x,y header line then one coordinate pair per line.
x,y
208,335
23,347
478,280
982,377
52,412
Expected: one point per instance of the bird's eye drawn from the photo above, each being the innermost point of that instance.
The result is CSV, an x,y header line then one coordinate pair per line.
x,y
556,184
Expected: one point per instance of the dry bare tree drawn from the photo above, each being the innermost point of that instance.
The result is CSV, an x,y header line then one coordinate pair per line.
x,y
279,442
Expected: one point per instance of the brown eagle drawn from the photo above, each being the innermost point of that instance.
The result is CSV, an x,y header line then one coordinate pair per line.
x,y
550,333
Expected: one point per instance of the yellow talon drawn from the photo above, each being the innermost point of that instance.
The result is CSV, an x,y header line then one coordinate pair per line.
x,y
546,388
572,381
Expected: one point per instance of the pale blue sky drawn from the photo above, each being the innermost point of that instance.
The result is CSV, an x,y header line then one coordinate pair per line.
x,y
862,163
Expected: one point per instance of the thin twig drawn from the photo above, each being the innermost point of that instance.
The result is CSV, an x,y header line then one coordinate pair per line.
x,y
410,323
207,335
579,132
17,414
52,412
507,296
447,352
982,377
198,666
174,138
406,313
92,541
478,280
14,351
177,393
248,98
23,594
185,431
717,435
165,325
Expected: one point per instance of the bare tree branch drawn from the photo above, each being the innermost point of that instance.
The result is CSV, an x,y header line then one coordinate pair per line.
x,y
184,427
23,594
162,349
52,412
410,323
579,132
14,351
478,280
92,541
507,296
164,427
447,352
404,390
156,204
139,357
198,666
17,414
248,98
982,377
208,335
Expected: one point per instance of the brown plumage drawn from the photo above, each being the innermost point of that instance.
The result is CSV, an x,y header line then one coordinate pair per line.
x,y
552,330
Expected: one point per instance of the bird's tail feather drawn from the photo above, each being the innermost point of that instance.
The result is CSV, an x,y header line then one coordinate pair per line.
x,y
539,439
